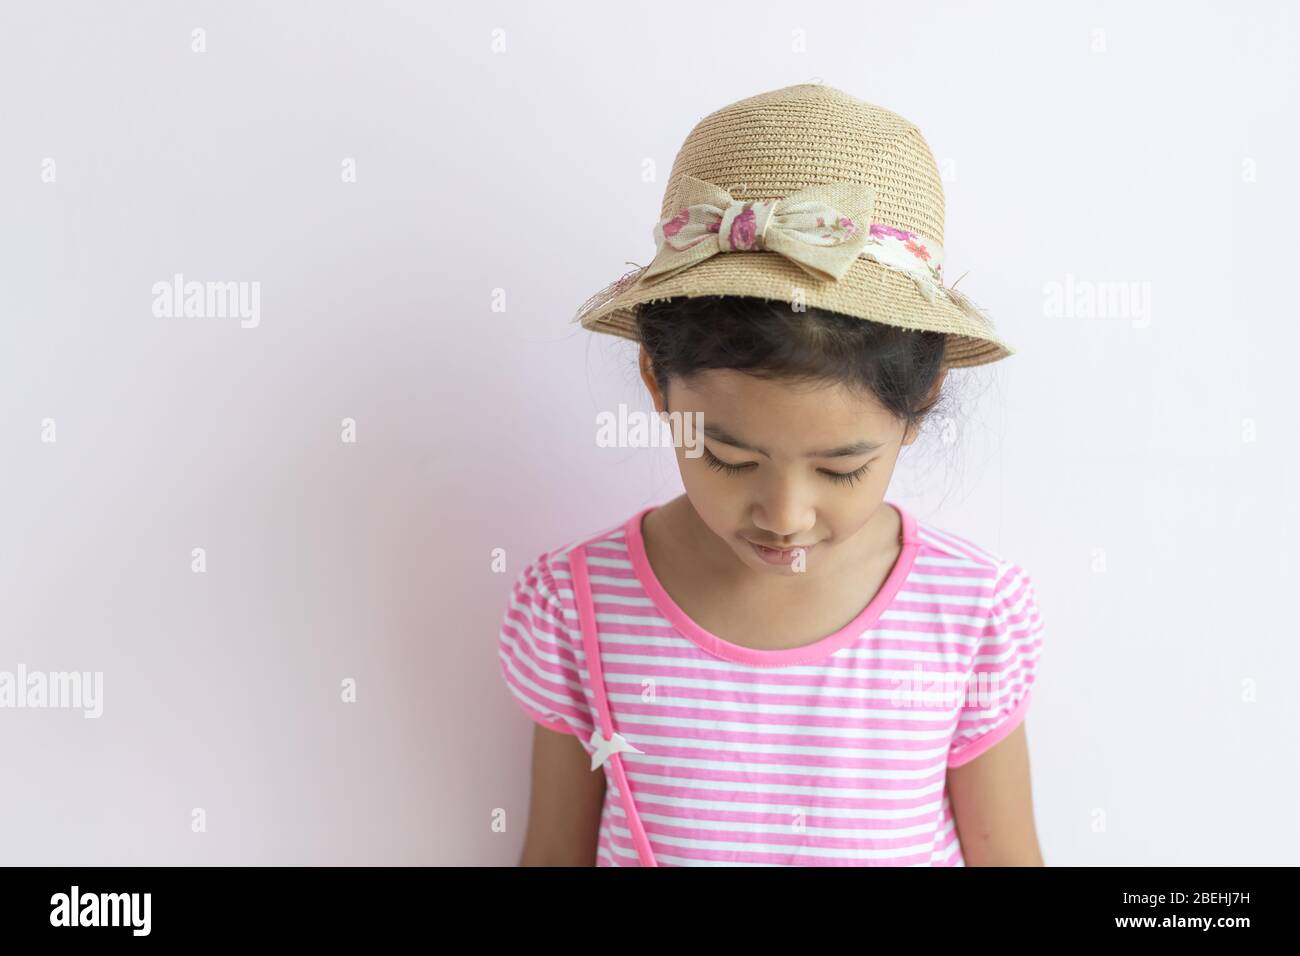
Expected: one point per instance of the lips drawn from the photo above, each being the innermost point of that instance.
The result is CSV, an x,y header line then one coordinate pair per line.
x,y
779,555
779,547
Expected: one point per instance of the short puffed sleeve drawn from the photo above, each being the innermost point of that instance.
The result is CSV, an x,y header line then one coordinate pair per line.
x,y
1003,666
540,648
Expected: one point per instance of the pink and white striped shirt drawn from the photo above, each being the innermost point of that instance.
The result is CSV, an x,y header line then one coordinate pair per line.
x,y
830,754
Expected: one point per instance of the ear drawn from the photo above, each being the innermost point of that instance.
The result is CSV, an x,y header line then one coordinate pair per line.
x,y
648,377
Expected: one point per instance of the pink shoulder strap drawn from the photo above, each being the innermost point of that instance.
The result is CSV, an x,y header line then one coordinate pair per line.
x,y
591,648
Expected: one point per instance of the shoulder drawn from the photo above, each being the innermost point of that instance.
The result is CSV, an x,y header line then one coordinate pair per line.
x,y
994,575
551,572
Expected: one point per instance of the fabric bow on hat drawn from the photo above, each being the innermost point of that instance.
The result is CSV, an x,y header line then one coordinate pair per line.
x,y
822,228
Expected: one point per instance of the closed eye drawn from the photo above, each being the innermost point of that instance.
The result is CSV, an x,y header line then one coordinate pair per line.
x,y
839,477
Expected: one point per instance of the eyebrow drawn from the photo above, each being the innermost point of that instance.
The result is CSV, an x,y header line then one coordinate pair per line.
x,y
718,433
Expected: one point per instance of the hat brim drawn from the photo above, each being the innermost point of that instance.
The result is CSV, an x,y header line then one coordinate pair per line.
x,y
867,290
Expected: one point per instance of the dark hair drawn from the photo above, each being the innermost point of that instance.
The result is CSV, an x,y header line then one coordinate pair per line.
x,y
769,339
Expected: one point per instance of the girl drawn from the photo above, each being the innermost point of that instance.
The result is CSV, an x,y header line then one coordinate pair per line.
x,y
781,667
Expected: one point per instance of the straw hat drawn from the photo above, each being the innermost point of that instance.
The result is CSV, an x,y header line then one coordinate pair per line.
x,y
805,194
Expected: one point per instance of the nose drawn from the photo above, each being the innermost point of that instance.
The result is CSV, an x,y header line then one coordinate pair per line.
x,y
784,512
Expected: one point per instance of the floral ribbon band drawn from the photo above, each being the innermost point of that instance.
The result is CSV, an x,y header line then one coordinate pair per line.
x,y
822,229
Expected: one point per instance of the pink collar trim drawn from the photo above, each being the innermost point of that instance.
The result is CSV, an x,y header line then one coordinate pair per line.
x,y
788,657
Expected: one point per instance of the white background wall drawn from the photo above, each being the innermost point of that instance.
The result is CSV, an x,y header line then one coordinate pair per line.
x,y
1119,441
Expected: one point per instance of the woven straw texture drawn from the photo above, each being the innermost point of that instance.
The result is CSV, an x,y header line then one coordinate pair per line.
x,y
776,143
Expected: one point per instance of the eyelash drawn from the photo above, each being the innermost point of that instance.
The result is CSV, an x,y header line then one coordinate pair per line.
x,y
846,478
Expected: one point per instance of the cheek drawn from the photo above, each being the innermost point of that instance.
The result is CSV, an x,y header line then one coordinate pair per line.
x,y
715,495
702,481
846,525
846,511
